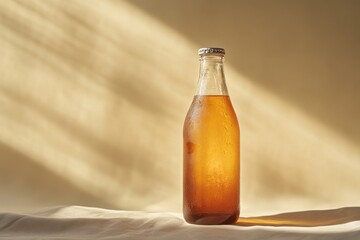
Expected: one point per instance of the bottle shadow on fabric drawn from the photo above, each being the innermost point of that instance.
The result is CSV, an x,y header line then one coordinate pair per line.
x,y
311,218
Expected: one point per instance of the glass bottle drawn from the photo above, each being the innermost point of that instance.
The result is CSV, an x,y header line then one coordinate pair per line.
x,y
211,145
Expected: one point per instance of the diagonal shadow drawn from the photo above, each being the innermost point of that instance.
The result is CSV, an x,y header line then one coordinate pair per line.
x,y
76,52
311,218
47,187
272,47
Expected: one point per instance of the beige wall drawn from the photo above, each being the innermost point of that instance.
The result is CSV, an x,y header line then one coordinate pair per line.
x,y
93,95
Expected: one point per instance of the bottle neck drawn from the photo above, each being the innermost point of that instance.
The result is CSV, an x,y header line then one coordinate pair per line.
x,y
211,76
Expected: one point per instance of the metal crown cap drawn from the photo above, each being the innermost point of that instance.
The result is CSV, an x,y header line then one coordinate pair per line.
x,y
203,51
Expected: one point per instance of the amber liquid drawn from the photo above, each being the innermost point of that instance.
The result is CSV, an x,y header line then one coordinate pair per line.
x,y
211,161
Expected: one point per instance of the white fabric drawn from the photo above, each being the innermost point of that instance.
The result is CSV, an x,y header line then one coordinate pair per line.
x,y
93,223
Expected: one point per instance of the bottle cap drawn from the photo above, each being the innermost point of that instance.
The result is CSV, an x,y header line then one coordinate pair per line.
x,y
203,51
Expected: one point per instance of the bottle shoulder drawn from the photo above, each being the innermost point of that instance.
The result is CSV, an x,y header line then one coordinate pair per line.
x,y
217,108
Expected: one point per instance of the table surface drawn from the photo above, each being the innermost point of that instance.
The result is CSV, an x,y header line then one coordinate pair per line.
x,y
77,222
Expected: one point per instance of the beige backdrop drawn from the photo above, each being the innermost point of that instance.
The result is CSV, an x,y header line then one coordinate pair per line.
x,y
93,95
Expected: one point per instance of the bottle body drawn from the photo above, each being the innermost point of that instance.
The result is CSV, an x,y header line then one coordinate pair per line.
x,y
211,164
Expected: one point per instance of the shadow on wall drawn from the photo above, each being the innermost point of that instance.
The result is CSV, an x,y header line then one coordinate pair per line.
x,y
75,98
96,94
24,182
304,51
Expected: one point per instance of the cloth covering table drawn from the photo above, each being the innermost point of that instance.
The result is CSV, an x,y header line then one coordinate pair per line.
x,y
76,222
